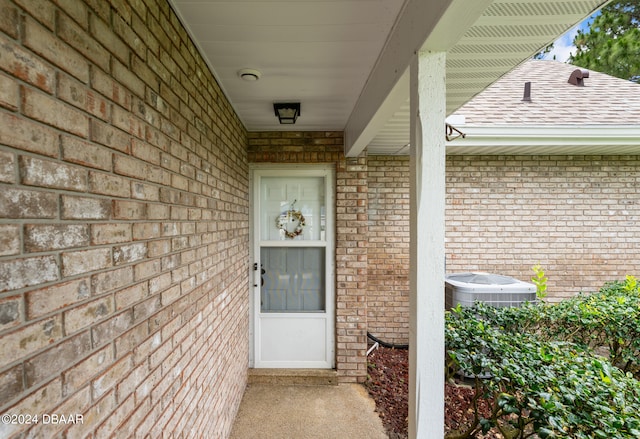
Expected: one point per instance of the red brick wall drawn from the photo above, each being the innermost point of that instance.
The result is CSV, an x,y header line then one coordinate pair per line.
x,y
575,215
351,232
124,224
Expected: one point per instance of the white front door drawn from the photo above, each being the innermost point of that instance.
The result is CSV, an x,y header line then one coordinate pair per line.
x,y
293,278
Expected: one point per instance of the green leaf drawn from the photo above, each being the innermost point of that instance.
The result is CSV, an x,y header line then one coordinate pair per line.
x,y
486,425
546,433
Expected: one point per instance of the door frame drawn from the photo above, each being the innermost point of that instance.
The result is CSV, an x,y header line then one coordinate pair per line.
x,y
256,171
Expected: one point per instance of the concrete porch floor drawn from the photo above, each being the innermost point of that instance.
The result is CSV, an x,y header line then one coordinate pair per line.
x,y
286,411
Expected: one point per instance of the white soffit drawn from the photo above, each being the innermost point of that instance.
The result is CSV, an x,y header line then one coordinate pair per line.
x,y
316,52
506,33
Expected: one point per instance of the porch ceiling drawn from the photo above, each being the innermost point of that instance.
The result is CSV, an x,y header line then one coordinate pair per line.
x,y
345,60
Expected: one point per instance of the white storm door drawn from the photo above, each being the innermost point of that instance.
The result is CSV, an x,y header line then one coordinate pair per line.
x,y
293,304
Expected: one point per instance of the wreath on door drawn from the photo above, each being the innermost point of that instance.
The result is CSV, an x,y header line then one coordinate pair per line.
x,y
291,222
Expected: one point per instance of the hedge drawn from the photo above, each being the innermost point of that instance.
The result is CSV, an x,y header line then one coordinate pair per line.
x,y
548,370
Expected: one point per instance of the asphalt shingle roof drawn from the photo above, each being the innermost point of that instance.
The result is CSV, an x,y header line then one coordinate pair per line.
x,y
603,100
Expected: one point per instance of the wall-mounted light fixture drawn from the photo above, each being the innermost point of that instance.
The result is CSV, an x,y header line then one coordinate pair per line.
x,y
287,112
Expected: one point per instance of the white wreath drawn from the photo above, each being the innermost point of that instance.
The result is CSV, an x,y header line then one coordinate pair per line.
x,y
285,219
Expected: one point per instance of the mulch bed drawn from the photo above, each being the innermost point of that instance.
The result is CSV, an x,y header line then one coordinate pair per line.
x,y
388,385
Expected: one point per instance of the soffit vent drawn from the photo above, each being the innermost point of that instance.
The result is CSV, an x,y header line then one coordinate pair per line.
x,y
473,48
516,9
481,63
503,31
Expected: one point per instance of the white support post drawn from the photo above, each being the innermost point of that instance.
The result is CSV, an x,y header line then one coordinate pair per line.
x,y
426,337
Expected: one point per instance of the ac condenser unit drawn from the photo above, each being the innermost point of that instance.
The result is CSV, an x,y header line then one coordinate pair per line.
x,y
493,289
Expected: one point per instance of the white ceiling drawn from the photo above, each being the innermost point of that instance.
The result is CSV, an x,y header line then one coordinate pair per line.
x,y
319,53
344,60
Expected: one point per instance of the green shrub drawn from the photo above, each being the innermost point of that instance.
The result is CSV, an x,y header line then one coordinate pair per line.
x,y
607,321
542,376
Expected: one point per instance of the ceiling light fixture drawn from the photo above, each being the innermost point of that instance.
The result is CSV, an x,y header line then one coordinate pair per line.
x,y
287,112
249,74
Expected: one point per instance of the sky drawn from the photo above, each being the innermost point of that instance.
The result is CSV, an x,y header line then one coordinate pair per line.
x,y
563,47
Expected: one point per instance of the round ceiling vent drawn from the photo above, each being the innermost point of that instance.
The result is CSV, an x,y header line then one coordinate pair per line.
x,y
249,74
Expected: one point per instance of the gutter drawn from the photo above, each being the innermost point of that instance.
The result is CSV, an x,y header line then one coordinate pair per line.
x,y
556,139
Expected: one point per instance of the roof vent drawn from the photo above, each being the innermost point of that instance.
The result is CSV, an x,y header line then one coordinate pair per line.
x,y
577,77
527,92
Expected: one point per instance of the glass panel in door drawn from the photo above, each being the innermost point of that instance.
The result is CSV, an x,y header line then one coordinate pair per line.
x,y
293,279
292,209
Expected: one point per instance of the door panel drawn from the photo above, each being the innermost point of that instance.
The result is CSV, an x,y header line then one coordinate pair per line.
x,y
293,311
282,341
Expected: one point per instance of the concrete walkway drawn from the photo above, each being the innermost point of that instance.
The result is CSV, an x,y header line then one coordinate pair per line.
x,y
272,411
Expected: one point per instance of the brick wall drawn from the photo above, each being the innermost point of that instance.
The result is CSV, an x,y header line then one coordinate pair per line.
x,y
388,251
351,268
351,235
124,225
575,215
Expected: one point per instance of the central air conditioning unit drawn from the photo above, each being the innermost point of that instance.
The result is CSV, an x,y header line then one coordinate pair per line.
x,y
493,289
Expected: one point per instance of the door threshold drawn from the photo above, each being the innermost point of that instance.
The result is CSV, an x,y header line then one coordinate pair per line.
x,y
294,377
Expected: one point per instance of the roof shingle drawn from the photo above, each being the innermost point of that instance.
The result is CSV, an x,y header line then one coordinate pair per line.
x,y
603,100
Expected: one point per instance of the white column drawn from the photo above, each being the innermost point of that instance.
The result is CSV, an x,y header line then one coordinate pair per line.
x,y
426,338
